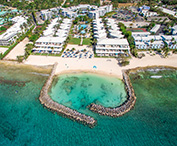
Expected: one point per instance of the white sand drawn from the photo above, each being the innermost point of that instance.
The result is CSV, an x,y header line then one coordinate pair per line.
x,y
104,65
17,50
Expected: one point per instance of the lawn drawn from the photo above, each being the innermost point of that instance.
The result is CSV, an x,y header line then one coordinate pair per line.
x,y
86,41
2,32
75,41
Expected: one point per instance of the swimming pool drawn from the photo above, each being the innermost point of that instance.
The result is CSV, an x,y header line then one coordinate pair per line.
x,y
82,26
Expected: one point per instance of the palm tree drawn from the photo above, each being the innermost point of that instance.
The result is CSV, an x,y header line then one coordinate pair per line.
x,y
52,49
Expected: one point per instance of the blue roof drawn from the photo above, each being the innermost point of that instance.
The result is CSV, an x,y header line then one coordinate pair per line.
x,y
146,7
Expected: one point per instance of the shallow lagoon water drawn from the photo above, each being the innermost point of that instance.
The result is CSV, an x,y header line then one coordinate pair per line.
x,y
24,121
77,91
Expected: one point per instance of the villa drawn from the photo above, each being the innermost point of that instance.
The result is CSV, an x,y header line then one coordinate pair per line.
x,y
47,14
170,12
101,11
141,34
112,47
10,36
155,28
98,28
50,43
113,29
155,41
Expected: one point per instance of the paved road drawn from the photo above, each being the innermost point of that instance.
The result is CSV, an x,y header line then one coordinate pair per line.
x,y
17,50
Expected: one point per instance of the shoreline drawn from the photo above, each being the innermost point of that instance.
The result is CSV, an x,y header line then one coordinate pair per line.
x,y
104,66
101,73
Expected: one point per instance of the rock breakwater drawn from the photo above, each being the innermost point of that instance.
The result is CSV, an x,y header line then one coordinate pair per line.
x,y
122,109
61,109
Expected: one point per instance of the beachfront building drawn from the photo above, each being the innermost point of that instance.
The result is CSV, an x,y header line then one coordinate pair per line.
x,y
112,47
11,34
50,43
155,41
111,44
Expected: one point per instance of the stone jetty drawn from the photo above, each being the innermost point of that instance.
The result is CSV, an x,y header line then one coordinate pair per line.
x,y
122,109
61,109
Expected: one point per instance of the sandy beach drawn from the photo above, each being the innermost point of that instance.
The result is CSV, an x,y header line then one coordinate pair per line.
x,y
17,50
99,65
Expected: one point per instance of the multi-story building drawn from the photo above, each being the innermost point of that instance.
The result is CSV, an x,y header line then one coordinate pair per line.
x,y
54,44
49,44
11,34
112,47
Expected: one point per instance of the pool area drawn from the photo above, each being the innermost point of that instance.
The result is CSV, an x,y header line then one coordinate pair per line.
x,y
84,26
83,32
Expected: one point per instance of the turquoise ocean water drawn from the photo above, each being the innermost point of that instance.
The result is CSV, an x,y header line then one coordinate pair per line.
x,y
24,121
77,91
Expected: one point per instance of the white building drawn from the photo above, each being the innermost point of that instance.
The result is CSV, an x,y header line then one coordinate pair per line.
x,y
50,30
50,44
156,45
174,30
141,34
11,34
170,12
155,28
150,14
112,47
98,28
46,14
101,11
113,29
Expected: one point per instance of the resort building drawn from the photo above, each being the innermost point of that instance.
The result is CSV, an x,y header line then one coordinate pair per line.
x,y
47,14
50,43
111,44
174,30
93,11
69,13
11,34
155,28
50,30
170,12
112,47
113,29
141,34
98,29
155,41
101,11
